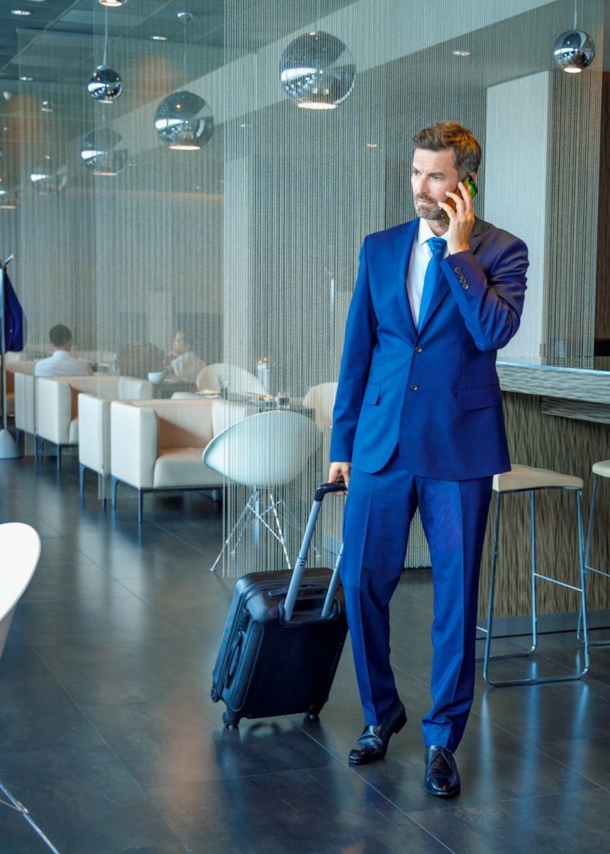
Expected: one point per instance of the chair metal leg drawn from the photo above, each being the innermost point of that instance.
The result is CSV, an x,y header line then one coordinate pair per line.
x,y
535,576
81,478
19,807
140,505
113,491
280,532
231,534
59,458
253,506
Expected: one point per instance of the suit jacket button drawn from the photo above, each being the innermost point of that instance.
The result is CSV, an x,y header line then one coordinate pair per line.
x,y
465,286
419,349
414,388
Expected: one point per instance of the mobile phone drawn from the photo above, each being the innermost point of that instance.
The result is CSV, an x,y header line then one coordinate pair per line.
x,y
470,186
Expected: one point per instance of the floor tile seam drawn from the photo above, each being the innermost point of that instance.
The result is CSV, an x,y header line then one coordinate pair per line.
x,y
170,533
408,673
111,750
569,768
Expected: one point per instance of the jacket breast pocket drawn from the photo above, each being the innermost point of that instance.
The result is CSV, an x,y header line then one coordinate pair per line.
x,y
480,398
371,395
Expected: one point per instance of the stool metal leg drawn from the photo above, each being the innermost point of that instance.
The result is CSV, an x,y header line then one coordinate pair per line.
x,y
535,575
588,567
533,567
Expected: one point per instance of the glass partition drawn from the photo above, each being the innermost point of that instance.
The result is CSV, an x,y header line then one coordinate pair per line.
x,y
249,245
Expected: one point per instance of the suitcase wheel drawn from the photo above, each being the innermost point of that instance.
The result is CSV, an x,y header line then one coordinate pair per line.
x,y
214,695
312,717
229,721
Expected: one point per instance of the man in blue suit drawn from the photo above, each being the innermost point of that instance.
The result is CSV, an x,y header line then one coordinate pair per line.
x,y
418,422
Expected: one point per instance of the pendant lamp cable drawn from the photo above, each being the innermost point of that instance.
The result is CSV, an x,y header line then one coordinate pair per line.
x,y
185,17
575,14
105,34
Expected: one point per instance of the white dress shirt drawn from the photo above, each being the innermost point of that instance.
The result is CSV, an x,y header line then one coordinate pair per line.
x,y
62,364
420,258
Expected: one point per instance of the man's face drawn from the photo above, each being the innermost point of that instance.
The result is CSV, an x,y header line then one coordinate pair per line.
x,y
432,173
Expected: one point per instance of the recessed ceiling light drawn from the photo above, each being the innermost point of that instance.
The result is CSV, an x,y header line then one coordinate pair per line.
x,y
159,38
26,79
22,12
461,53
372,145
112,3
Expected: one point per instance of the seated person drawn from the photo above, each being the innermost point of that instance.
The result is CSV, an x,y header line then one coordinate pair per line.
x,y
140,359
182,362
61,363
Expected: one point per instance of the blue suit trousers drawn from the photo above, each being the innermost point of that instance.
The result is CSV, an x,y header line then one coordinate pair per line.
x,y
378,513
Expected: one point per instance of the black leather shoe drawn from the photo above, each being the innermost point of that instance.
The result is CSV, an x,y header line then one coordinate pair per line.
x,y
373,743
442,776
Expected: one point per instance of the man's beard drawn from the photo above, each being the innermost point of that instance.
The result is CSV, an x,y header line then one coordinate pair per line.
x,y
429,209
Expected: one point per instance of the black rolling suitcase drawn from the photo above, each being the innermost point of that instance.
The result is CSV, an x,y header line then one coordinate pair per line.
x,y
283,638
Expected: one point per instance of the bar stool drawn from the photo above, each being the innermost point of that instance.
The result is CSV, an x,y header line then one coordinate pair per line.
x,y
532,480
600,469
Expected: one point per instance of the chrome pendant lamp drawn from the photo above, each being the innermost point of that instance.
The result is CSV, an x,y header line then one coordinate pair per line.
x,y
574,50
103,152
105,85
183,119
317,70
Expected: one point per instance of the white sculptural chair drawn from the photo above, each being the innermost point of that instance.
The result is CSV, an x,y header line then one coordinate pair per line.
x,y
321,398
19,554
240,380
262,452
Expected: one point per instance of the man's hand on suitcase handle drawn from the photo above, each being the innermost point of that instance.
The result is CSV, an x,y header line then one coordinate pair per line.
x,y
339,472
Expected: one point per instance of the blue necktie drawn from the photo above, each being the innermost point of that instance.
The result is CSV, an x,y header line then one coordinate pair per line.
x,y
433,274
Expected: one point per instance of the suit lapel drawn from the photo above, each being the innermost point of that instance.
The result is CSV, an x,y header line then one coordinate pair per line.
x,y
403,243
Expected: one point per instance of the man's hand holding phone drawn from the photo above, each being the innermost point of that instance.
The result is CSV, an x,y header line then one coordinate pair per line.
x,y
460,213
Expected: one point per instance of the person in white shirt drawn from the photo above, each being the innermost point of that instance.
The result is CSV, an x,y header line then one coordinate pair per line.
x,y
61,363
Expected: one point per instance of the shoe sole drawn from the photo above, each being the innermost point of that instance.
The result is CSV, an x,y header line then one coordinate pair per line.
x,y
442,794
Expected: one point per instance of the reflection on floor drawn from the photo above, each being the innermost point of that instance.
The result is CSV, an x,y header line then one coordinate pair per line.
x,y
109,736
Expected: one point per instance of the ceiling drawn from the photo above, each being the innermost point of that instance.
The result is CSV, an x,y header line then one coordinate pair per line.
x,y
225,28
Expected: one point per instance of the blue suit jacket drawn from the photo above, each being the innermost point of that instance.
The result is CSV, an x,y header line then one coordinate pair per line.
x,y
433,391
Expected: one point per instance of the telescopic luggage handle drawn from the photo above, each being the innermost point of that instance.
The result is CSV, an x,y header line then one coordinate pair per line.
x,y
299,568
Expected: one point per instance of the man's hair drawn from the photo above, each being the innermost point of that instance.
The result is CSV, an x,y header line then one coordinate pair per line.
x,y
60,335
443,135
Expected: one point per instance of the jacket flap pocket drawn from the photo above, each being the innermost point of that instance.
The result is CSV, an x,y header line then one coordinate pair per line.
x,y
479,398
371,395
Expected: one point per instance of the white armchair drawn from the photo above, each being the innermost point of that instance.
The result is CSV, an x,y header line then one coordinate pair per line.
x,y
94,427
157,445
57,404
20,380
56,401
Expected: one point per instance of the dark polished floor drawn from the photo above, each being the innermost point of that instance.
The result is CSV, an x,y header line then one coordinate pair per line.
x,y
109,736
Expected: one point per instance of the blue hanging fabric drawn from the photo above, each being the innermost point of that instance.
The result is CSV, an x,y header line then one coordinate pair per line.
x,y
14,320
